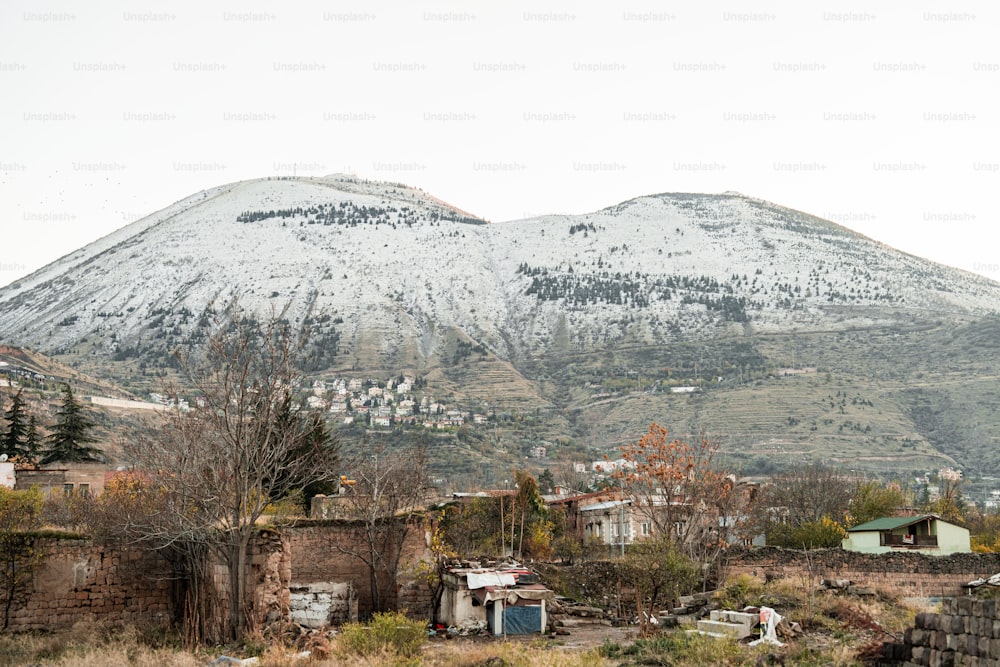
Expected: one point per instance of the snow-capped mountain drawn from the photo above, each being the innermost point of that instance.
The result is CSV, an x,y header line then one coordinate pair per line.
x,y
782,334
385,275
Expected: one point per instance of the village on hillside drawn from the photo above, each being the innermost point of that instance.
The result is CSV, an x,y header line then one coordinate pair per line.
x,y
658,540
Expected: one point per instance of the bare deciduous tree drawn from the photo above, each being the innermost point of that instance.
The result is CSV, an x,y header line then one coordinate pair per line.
x,y
208,474
387,495
805,494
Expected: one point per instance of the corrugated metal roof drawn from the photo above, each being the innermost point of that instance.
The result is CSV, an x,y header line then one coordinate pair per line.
x,y
891,523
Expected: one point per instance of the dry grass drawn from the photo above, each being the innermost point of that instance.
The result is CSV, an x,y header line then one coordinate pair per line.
x,y
93,645
837,630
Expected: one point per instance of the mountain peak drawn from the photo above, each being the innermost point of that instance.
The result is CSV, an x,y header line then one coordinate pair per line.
x,y
393,274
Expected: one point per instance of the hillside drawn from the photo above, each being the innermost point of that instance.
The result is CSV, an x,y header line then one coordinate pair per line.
x,y
585,322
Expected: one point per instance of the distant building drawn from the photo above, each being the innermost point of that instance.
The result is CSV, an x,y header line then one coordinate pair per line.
x,y
69,478
316,403
950,474
609,522
927,533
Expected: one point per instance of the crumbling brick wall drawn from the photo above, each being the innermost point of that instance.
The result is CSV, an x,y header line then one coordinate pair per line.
x,y
79,580
269,566
907,574
316,556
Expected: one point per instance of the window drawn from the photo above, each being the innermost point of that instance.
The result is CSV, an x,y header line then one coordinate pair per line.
x,y
84,489
68,489
614,530
645,529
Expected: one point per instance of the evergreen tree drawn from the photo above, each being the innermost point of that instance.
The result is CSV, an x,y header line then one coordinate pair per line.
x,y
32,445
70,439
13,441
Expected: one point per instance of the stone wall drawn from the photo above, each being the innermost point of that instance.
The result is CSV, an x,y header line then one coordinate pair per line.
x,y
966,632
906,574
82,581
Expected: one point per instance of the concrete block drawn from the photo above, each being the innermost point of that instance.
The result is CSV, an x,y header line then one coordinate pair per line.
x,y
735,630
740,617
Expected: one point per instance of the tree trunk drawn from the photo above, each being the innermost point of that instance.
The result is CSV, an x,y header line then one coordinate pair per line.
x,y
237,587
373,579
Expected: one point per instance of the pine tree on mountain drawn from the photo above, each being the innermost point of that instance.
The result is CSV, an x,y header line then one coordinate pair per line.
x,y
13,441
70,438
32,445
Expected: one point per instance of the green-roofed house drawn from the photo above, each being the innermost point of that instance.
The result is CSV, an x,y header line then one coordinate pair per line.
x,y
927,534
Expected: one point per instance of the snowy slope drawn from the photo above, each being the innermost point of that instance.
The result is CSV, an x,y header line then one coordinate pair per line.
x,y
385,275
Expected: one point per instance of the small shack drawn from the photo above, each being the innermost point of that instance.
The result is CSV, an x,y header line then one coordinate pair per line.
x,y
505,601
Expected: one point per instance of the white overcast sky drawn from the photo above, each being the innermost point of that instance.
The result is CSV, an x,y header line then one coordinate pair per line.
x,y
882,115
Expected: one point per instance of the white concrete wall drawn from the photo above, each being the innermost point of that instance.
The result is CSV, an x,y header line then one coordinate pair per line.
x,y
7,474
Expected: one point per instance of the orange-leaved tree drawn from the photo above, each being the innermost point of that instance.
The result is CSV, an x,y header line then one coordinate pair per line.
x,y
681,495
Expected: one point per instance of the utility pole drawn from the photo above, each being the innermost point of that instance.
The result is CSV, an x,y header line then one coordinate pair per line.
x,y
503,529
621,528
621,520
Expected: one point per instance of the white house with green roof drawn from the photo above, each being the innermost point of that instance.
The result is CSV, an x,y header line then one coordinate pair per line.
x,y
927,533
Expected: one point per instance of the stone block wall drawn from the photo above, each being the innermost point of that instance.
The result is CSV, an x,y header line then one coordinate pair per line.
x,y
965,633
906,574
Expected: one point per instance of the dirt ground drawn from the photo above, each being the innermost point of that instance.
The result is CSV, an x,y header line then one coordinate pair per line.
x,y
587,633
584,633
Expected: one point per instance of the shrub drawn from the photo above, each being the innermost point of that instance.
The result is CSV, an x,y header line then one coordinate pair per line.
x,y
739,591
680,649
823,534
389,632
